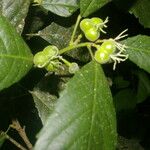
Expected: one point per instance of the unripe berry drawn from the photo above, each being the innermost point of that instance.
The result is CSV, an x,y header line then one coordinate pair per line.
x,y
92,34
101,56
39,60
85,25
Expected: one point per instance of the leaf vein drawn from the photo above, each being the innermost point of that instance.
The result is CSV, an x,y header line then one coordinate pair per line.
x,y
93,107
76,118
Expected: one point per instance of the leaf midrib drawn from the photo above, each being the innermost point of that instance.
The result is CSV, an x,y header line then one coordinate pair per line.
x,y
87,8
93,106
60,5
16,57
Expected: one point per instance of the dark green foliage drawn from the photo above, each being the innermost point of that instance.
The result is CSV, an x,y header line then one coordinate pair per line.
x,y
86,110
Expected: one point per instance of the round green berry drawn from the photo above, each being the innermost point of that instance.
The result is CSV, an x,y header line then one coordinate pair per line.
x,y
96,21
53,65
50,51
92,34
50,67
86,24
39,60
101,56
109,46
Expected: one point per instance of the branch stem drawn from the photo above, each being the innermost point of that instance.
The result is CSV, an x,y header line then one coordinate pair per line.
x,y
66,49
75,29
13,141
21,131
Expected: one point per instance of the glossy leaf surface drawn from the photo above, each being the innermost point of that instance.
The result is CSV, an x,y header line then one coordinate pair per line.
x,y
15,56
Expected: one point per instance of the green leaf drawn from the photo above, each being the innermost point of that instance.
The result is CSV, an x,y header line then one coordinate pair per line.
x,y
141,10
87,7
63,8
120,82
139,51
143,87
15,11
125,100
15,56
56,35
44,102
84,116
45,95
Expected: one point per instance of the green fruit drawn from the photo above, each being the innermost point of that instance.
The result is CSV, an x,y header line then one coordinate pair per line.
x,y
50,51
53,65
92,34
50,67
39,60
101,56
96,21
109,46
86,24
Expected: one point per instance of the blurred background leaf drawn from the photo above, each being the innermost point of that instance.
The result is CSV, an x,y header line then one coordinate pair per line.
x,y
63,8
138,48
16,11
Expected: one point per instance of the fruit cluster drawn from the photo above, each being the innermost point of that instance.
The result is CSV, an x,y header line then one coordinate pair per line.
x,y
103,52
92,27
50,59
109,49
